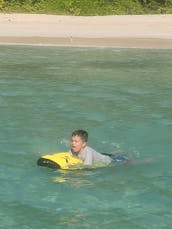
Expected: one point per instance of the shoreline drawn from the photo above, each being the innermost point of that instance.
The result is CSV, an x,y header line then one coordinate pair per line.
x,y
128,31
89,42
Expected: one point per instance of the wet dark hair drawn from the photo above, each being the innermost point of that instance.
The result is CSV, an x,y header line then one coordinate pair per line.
x,y
81,133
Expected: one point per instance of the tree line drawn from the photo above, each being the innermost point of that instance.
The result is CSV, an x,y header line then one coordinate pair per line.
x,y
87,7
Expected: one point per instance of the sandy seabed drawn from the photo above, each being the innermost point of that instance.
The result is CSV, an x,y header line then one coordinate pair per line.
x,y
129,31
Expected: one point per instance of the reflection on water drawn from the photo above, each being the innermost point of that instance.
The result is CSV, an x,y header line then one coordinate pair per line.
x,y
123,98
76,179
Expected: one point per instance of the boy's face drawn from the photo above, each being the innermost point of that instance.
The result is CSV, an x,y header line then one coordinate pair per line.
x,y
77,144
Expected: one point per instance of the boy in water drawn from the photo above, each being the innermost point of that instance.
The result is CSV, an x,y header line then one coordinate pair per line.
x,y
89,156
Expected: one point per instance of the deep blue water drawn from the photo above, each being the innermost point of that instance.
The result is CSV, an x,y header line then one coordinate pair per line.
x,y
123,98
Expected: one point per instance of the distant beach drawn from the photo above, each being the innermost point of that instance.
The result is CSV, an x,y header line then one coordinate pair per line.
x,y
130,31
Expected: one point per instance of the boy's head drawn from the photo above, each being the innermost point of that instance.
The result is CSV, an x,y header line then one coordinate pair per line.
x,y
82,134
79,140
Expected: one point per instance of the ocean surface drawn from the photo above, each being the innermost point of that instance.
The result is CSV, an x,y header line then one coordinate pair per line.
x,y
123,98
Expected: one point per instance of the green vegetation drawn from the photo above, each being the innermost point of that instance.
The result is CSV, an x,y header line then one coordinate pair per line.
x,y
87,7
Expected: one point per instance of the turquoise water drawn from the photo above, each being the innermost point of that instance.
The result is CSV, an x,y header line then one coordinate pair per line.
x,y
123,97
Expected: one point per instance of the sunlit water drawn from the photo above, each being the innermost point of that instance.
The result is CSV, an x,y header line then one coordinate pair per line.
x,y
123,97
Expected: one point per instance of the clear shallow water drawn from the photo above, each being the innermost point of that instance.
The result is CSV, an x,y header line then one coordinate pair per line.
x,y
123,97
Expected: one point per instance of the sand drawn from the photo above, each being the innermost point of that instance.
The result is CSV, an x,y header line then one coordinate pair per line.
x,y
130,31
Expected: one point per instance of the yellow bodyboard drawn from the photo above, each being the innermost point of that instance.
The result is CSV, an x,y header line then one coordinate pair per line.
x,y
64,159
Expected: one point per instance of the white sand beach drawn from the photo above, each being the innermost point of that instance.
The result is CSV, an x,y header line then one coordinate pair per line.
x,y
139,31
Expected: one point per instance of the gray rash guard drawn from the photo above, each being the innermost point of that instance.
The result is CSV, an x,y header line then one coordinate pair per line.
x,y
90,156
